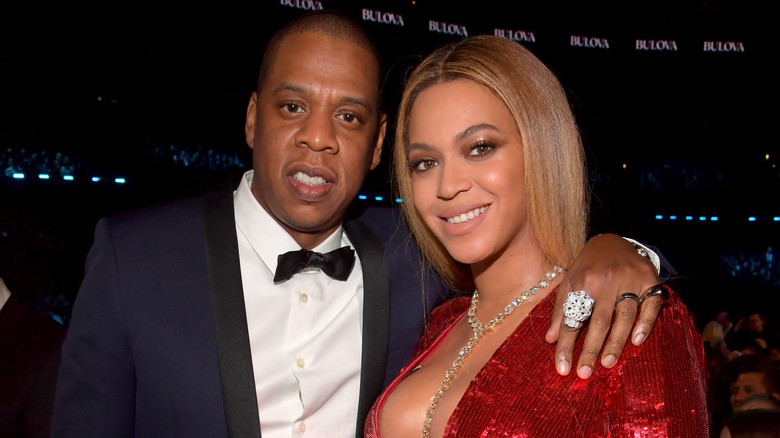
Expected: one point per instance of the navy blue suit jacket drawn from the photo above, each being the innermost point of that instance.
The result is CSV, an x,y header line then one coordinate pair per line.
x,y
158,344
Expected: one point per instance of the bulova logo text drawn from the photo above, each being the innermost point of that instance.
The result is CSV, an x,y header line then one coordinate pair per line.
x,y
515,35
307,5
723,46
448,28
383,17
670,45
589,42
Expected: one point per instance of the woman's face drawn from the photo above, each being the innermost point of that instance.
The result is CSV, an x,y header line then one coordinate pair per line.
x,y
467,166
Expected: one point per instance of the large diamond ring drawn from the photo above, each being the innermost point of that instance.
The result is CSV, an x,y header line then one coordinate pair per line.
x,y
577,308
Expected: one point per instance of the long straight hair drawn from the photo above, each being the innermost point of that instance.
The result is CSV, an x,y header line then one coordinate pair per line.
x,y
555,182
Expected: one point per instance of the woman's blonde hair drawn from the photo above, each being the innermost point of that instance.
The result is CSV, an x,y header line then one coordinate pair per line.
x,y
555,183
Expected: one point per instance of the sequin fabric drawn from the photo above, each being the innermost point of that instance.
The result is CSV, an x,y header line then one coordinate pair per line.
x,y
655,390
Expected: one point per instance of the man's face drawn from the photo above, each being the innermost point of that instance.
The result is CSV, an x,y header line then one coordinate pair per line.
x,y
755,322
315,130
746,385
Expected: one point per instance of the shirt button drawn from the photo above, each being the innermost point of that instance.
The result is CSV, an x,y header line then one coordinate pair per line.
x,y
301,427
301,363
304,298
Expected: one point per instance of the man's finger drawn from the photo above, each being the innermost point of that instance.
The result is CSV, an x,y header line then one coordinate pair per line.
x,y
625,316
598,326
651,307
564,349
564,335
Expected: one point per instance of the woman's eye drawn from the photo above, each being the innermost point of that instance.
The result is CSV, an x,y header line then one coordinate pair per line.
x,y
422,165
481,149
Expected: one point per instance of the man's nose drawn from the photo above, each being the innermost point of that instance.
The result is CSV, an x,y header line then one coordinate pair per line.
x,y
317,132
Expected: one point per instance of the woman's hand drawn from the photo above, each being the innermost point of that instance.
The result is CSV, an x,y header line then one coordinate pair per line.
x,y
607,267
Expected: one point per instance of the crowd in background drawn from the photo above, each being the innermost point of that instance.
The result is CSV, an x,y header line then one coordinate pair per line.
x,y
13,161
753,266
743,375
197,157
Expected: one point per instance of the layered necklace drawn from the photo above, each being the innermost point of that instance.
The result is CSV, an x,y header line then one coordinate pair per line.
x,y
480,330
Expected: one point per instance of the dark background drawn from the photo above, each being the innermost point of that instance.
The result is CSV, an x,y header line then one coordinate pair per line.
x,y
113,85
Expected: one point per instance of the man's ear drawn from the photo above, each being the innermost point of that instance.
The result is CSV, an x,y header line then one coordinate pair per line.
x,y
251,119
380,140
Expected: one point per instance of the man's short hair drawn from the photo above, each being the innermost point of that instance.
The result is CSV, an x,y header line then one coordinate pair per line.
x,y
326,22
755,363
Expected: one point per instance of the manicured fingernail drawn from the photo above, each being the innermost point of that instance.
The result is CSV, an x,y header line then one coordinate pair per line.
x,y
609,361
584,372
564,367
639,338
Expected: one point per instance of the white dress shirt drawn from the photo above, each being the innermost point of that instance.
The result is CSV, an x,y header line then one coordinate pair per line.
x,y
305,333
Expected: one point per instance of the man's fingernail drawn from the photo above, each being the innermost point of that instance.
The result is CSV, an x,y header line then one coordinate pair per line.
x,y
584,372
639,338
609,361
564,367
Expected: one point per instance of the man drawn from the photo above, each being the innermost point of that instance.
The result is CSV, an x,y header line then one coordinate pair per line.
x,y
756,376
187,323
749,335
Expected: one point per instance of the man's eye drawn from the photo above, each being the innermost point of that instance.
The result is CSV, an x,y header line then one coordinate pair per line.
x,y
292,108
349,118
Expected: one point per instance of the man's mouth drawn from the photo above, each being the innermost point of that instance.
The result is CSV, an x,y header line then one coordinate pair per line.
x,y
311,181
465,217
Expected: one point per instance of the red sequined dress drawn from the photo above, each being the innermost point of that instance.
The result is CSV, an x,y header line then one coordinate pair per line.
x,y
655,390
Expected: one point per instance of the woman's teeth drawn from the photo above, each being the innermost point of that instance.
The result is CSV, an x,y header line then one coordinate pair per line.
x,y
467,216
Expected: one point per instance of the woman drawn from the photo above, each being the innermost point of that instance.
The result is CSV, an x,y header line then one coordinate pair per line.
x,y
488,150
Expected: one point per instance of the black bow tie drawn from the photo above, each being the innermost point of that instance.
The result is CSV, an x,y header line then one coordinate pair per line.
x,y
337,263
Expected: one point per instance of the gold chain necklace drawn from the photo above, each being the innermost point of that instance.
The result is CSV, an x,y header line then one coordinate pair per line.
x,y
479,330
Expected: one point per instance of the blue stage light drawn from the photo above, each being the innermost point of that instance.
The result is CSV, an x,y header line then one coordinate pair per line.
x,y
659,217
399,200
67,177
751,219
119,180
95,178
688,218
702,218
714,218
672,218
776,218
43,176
378,198
362,197
18,176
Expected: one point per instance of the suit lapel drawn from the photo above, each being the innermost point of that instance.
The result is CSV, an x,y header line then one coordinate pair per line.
x,y
376,315
230,327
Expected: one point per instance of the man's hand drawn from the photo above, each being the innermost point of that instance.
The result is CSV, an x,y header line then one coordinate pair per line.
x,y
607,267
